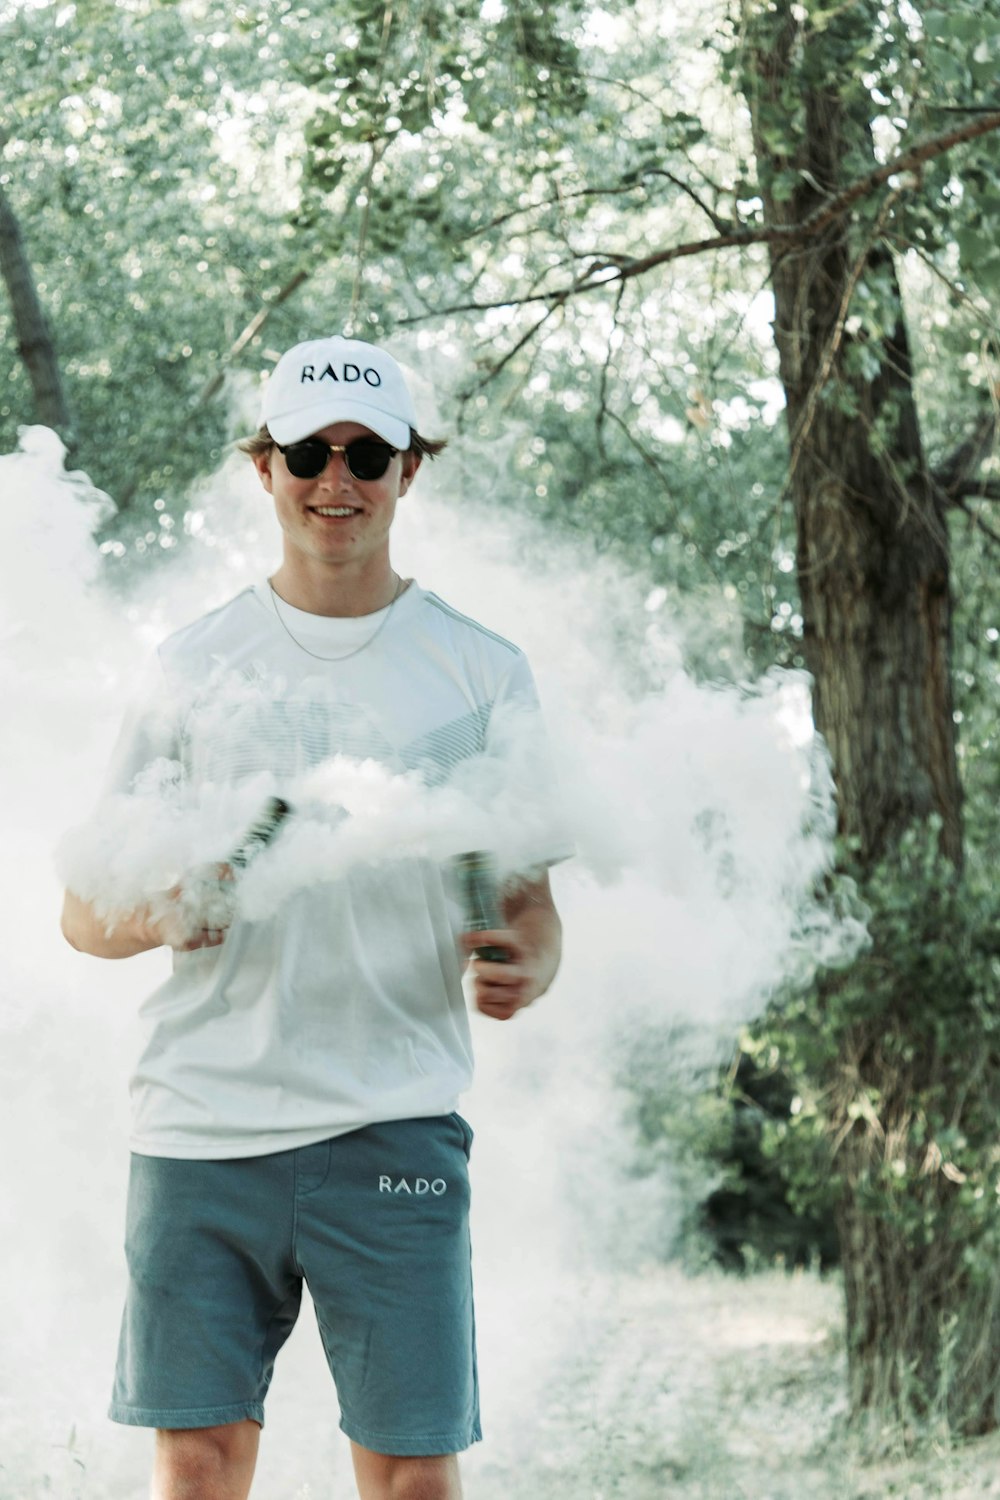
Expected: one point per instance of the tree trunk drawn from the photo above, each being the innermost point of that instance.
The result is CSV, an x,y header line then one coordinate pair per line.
x,y
34,339
873,572
873,563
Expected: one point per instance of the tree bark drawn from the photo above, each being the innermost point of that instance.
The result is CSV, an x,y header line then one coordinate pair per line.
x,y
34,339
872,539
873,573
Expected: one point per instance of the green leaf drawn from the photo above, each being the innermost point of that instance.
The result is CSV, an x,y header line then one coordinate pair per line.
x,y
785,185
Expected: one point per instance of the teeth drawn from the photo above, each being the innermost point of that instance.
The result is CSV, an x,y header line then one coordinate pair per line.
x,y
334,510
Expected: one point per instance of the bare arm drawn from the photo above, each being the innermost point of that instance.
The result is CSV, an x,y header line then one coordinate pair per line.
x,y
88,933
533,938
136,932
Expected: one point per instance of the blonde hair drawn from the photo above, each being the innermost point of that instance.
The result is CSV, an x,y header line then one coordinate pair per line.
x,y
263,442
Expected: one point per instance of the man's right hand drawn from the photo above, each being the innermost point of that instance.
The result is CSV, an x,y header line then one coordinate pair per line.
x,y
198,912
188,917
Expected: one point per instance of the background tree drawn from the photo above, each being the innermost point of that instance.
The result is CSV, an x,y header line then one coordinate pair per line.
x,y
134,140
34,336
873,562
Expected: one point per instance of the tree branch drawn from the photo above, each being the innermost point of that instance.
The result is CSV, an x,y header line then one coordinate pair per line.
x,y
979,523
378,144
216,380
634,182
719,224
625,268
214,384
524,339
602,395
955,477
976,489
553,202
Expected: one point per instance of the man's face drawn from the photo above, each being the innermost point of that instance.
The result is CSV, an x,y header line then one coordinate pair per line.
x,y
336,518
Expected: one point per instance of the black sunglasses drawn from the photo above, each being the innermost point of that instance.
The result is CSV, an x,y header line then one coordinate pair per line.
x,y
366,458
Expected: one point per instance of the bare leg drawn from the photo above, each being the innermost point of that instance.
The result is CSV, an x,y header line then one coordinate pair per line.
x,y
205,1463
381,1476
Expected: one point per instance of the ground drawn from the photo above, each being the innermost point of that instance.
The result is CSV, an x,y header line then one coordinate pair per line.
x,y
650,1385
717,1388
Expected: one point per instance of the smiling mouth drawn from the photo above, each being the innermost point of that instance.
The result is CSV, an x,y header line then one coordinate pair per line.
x,y
337,512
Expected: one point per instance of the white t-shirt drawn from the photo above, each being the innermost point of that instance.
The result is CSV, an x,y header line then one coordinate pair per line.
x,y
345,1006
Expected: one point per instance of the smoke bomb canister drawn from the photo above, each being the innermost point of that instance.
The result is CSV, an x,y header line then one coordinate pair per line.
x,y
260,833
480,900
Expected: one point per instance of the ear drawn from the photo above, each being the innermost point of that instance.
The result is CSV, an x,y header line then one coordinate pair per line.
x,y
411,463
262,463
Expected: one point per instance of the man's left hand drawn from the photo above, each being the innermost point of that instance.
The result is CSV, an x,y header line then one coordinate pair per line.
x,y
532,939
500,990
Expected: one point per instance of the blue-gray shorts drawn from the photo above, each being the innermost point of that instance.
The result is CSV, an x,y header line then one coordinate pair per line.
x,y
375,1222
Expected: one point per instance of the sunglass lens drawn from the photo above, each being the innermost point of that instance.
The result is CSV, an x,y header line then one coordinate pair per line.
x,y
306,459
367,459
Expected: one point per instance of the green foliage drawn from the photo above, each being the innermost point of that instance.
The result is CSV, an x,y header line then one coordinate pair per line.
x,y
473,154
708,1131
176,165
378,81
764,1144
919,1014
148,255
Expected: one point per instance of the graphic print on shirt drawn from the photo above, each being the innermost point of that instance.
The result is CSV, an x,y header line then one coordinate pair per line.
x,y
245,731
345,1005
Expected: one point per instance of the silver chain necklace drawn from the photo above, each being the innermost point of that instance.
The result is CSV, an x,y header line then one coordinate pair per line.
x,y
400,585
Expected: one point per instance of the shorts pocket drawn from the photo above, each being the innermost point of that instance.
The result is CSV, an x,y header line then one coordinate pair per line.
x,y
468,1134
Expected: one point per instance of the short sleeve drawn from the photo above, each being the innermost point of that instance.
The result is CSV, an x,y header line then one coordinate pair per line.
x,y
126,851
150,731
516,736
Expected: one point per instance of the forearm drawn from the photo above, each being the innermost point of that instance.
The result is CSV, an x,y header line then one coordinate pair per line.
x,y
88,933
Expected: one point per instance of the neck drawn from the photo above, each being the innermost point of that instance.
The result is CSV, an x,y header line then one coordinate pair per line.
x,y
336,591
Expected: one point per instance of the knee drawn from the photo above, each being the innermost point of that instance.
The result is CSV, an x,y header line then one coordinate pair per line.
x,y
412,1482
201,1457
384,1477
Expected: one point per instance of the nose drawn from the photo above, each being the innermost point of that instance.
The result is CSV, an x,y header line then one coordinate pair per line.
x,y
336,471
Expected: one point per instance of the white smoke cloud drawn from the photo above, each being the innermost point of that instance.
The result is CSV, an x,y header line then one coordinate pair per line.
x,y
345,812
701,817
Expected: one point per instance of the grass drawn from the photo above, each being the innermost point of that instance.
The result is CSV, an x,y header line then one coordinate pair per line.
x,y
717,1388
651,1385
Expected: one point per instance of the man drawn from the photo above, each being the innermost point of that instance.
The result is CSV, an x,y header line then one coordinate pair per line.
x,y
294,1107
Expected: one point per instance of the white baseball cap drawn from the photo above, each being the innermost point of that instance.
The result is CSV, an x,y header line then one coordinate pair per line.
x,y
337,380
